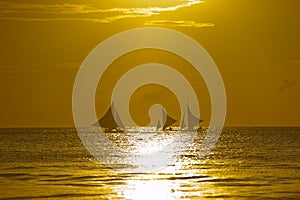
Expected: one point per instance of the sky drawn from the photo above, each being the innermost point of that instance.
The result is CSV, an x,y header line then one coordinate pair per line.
x,y
254,43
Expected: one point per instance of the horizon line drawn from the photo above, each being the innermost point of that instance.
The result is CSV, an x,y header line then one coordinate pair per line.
x,y
230,126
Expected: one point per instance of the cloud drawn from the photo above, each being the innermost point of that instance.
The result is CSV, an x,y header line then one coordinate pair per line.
x,y
179,23
9,7
34,67
31,19
83,12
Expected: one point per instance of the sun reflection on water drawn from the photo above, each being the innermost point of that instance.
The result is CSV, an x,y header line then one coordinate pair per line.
x,y
172,179
175,182
148,150
162,165
151,189
243,166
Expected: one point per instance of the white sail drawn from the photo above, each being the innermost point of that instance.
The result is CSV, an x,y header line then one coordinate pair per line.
x,y
164,116
182,124
158,125
192,120
117,117
163,119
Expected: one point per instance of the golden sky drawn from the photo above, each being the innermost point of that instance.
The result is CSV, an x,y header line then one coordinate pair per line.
x,y
254,43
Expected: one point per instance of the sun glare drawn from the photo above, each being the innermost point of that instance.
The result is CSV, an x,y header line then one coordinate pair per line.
x,y
157,189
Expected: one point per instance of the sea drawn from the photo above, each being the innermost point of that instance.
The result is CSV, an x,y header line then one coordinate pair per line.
x,y
246,163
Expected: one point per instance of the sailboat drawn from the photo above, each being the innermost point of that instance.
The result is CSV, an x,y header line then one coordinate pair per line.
x,y
182,123
111,121
191,119
166,119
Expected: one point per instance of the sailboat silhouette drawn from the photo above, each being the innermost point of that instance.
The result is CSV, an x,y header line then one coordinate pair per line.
x,y
166,119
111,120
191,119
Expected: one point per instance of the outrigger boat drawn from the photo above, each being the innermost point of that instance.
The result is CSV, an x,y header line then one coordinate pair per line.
x,y
191,119
166,120
111,122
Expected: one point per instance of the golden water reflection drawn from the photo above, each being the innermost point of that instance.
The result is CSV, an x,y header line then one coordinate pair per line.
x,y
185,177
151,189
247,163
171,186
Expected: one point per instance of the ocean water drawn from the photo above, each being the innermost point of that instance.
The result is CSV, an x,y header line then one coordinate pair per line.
x,y
247,163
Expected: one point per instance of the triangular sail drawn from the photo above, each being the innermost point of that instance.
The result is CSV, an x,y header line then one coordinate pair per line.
x,y
169,122
158,124
164,116
192,120
166,120
182,124
117,117
108,121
